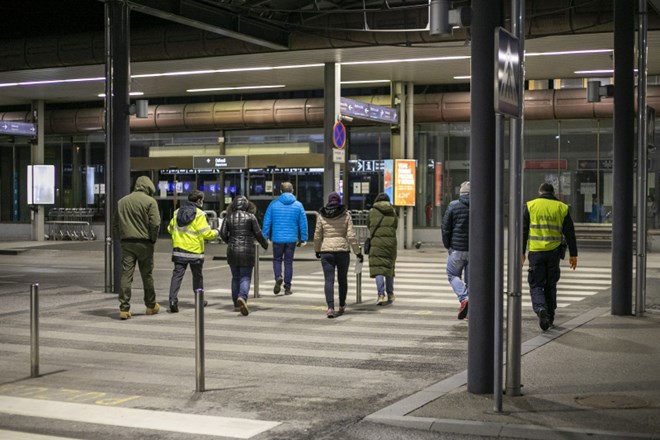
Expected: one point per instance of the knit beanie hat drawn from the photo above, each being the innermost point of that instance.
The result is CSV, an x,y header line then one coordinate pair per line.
x,y
465,188
334,199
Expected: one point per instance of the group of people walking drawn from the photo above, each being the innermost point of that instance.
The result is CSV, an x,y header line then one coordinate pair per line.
x,y
136,223
547,231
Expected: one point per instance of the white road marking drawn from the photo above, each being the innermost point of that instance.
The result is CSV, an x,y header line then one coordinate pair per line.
x,y
136,418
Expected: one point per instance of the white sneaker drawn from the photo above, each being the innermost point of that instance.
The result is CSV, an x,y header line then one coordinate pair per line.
x,y
381,300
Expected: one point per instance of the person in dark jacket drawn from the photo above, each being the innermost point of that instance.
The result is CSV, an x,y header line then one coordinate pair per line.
x,y
334,237
545,220
285,224
189,228
455,237
239,229
136,223
382,223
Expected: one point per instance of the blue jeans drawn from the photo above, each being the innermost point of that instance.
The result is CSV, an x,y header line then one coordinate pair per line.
x,y
457,265
283,252
384,285
241,277
342,261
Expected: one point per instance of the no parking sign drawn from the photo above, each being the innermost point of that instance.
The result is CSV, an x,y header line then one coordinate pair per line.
x,y
339,135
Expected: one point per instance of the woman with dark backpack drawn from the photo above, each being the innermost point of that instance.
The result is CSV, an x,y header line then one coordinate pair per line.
x,y
239,230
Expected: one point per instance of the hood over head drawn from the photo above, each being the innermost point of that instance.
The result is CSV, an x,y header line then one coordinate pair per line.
x,y
186,213
145,185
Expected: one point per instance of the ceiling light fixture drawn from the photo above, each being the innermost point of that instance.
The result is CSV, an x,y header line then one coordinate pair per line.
x,y
52,81
233,70
102,95
594,72
568,52
224,89
463,77
373,81
408,60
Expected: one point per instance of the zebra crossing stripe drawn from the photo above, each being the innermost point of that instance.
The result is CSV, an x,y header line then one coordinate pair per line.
x,y
135,418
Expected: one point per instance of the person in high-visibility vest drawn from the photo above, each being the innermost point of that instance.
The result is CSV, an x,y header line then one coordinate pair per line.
x,y
545,221
189,228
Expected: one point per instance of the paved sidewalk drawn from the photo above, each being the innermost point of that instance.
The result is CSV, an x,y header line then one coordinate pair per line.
x,y
596,376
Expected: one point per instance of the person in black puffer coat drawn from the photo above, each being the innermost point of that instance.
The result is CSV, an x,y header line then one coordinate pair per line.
x,y
239,229
455,237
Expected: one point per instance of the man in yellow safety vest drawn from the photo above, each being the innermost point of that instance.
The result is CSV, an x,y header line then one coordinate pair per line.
x,y
545,221
189,228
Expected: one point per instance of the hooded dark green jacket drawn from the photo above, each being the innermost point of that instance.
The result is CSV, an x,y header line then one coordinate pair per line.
x,y
382,255
137,216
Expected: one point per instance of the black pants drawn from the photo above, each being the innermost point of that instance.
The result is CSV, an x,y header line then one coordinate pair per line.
x,y
177,276
330,261
543,276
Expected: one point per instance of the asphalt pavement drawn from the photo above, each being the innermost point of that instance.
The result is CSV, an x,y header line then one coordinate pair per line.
x,y
287,372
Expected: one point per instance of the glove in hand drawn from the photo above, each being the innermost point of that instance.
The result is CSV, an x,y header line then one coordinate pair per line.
x,y
360,258
318,255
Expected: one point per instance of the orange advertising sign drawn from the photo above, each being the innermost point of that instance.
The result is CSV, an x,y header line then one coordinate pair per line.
x,y
405,172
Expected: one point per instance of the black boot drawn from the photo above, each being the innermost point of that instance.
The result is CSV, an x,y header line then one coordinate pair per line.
x,y
174,306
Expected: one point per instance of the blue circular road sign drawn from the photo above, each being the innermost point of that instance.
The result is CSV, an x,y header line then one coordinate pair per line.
x,y
339,135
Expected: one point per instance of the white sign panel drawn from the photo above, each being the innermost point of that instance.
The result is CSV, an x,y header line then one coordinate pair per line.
x,y
338,156
41,184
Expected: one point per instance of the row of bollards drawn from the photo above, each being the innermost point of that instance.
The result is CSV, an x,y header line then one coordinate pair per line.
x,y
199,323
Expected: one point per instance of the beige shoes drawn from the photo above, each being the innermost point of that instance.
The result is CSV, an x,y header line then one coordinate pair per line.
x,y
152,310
123,315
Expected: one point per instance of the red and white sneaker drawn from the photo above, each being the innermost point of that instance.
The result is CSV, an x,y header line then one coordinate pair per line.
x,y
463,311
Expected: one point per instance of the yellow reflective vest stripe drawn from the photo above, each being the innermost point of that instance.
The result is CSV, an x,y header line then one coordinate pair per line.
x,y
546,217
190,238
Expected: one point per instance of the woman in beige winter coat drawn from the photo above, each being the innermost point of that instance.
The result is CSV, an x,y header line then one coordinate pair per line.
x,y
334,238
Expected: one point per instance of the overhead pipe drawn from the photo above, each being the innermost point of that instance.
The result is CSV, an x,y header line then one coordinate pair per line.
x,y
428,108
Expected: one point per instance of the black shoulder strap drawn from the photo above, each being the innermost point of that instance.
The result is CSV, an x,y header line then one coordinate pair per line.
x,y
379,222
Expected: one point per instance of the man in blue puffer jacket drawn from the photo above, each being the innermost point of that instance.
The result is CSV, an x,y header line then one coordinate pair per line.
x,y
285,224
455,237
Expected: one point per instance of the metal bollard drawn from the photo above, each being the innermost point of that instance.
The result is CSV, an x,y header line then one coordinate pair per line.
x,y
256,270
358,285
34,330
199,339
